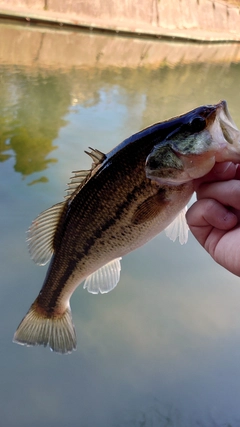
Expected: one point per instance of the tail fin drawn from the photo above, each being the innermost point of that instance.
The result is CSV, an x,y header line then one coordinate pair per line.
x,y
37,329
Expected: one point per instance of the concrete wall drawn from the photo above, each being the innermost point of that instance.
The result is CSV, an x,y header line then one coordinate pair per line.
x,y
194,19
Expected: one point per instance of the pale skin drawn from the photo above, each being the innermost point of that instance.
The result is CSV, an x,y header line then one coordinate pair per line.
x,y
214,219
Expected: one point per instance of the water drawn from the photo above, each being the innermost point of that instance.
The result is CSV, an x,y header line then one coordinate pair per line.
x,y
163,348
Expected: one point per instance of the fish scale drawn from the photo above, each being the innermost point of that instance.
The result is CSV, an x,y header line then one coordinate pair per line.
x,y
129,195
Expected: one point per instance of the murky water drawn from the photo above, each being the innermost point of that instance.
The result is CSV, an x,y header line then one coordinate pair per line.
x,y
163,348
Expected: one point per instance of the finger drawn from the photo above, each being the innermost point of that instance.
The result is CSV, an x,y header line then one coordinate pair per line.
x,y
207,212
223,169
207,216
220,172
237,176
226,192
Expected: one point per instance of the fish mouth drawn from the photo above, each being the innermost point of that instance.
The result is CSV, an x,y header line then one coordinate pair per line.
x,y
211,137
225,135
224,145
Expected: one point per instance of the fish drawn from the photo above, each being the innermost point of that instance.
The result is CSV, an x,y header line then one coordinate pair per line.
x,y
127,197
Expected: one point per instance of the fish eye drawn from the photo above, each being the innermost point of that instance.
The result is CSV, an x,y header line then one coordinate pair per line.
x,y
197,124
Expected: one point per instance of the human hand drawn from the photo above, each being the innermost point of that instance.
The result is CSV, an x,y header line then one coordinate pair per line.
x,y
215,218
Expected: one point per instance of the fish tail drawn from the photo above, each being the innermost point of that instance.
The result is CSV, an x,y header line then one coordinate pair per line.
x,y
38,328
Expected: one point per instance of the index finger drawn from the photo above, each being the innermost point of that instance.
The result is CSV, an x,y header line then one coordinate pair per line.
x,y
220,172
225,192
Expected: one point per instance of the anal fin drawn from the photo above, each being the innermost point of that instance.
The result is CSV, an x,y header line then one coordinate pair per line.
x,y
104,279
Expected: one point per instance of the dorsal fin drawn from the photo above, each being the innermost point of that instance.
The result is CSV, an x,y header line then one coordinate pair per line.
x,y
41,234
96,155
42,231
80,178
77,181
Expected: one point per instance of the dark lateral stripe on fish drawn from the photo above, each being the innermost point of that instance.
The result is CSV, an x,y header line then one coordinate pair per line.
x,y
89,244
49,305
112,221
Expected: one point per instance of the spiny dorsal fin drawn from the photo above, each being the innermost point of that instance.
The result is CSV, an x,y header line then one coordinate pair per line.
x,y
41,234
178,228
42,231
79,179
105,278
96,155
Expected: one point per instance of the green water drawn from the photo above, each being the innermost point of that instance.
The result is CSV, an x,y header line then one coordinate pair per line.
x,y
163,348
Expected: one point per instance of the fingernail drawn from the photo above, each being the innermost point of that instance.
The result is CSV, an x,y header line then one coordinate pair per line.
x,y
220,168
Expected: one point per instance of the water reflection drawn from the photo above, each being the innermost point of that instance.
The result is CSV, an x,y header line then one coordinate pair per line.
x,y
34,104
158,415
32,111
161,349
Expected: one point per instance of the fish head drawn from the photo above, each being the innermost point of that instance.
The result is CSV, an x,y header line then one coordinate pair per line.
x,y
204,136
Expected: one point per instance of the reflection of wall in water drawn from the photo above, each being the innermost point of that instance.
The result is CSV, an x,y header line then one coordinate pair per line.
x,y
31,46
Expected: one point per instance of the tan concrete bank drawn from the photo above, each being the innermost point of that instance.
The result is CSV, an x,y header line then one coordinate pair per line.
x,y
202,20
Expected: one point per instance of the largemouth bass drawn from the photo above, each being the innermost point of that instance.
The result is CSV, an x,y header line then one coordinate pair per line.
x,y
130,195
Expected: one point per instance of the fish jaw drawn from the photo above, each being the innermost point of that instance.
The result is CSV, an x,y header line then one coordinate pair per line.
x,y
226,136
225,145
191,155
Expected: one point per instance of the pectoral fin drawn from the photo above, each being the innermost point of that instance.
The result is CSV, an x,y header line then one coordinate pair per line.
x,y
104,279
178,228
150,208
